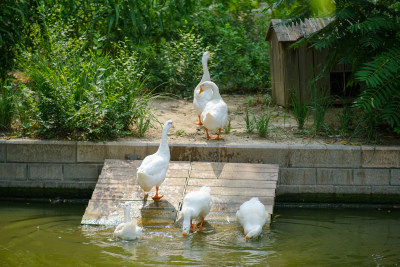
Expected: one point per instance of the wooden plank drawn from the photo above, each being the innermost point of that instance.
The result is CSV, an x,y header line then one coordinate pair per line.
x,y
277,53
234,175
291,71
323,84
306,74
249,192
231,185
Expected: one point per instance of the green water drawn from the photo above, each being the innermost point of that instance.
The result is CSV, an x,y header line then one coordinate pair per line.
x,y
51,235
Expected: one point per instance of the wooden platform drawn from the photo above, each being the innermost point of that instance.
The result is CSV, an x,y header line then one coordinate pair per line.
x,y
231,184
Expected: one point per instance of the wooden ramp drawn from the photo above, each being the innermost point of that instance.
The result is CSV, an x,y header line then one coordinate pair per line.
x,y
231,184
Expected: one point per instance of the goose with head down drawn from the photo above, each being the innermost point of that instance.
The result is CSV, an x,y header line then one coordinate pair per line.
x,y
154,167
215,113
252,216
200,100
196,204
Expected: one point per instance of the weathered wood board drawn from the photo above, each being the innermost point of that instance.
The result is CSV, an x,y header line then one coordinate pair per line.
x,y
231,184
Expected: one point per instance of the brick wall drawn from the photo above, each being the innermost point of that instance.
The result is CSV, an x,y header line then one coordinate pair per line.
x,y
303,168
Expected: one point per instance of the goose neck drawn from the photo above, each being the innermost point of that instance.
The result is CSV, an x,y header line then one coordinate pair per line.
x,y
206,73
164,142
215,91
127,214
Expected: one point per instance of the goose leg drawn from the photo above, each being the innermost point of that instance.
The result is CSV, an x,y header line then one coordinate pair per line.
x,y
208,136
201,224
157,197
199,122
218,137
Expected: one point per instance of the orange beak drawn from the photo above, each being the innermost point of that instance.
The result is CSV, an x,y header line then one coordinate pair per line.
x,y
173,125
247,237
185,234
201,90
210,53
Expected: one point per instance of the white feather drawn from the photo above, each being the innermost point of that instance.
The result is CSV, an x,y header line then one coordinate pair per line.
x,y
252,216
196,205
215,113
153,168
128,230
200,100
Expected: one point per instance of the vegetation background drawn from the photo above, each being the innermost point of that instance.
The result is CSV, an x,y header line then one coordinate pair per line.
x,y
87,69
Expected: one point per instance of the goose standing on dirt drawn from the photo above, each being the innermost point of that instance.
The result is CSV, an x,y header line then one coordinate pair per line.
x,y
128,230
215,113
196,204
252,216
154,167
200,100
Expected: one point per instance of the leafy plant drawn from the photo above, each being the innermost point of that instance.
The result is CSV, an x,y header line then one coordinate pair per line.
x,y
382,77
300,110
181,133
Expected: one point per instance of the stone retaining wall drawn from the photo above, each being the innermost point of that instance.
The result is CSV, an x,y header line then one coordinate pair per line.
x,y
304,169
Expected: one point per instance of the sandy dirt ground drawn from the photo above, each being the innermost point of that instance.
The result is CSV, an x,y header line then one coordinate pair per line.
x,y
282,126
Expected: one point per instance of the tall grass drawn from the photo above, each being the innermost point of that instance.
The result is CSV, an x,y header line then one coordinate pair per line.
x,y
300,110
319,105
250,126
7,107
346,117
262,123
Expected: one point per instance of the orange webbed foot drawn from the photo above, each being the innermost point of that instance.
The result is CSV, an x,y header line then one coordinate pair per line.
x,y
200,227
157,197
199,122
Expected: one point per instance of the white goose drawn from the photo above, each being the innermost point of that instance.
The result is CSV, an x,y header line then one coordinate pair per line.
x,y
196,204
252,216
154,167
215,113
128,230
200,100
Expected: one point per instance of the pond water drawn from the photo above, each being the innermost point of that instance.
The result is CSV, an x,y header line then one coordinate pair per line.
x,y
51,235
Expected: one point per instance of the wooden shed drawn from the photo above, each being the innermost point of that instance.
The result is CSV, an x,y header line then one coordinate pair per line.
x,y
294,69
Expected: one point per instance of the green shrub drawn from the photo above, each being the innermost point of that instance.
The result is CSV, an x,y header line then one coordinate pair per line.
x,y
83,94
241,58
179,64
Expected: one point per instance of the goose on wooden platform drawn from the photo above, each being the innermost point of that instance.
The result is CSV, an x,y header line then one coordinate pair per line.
x,y
196,205
252,216
200,100
154,167
215,113
128,230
